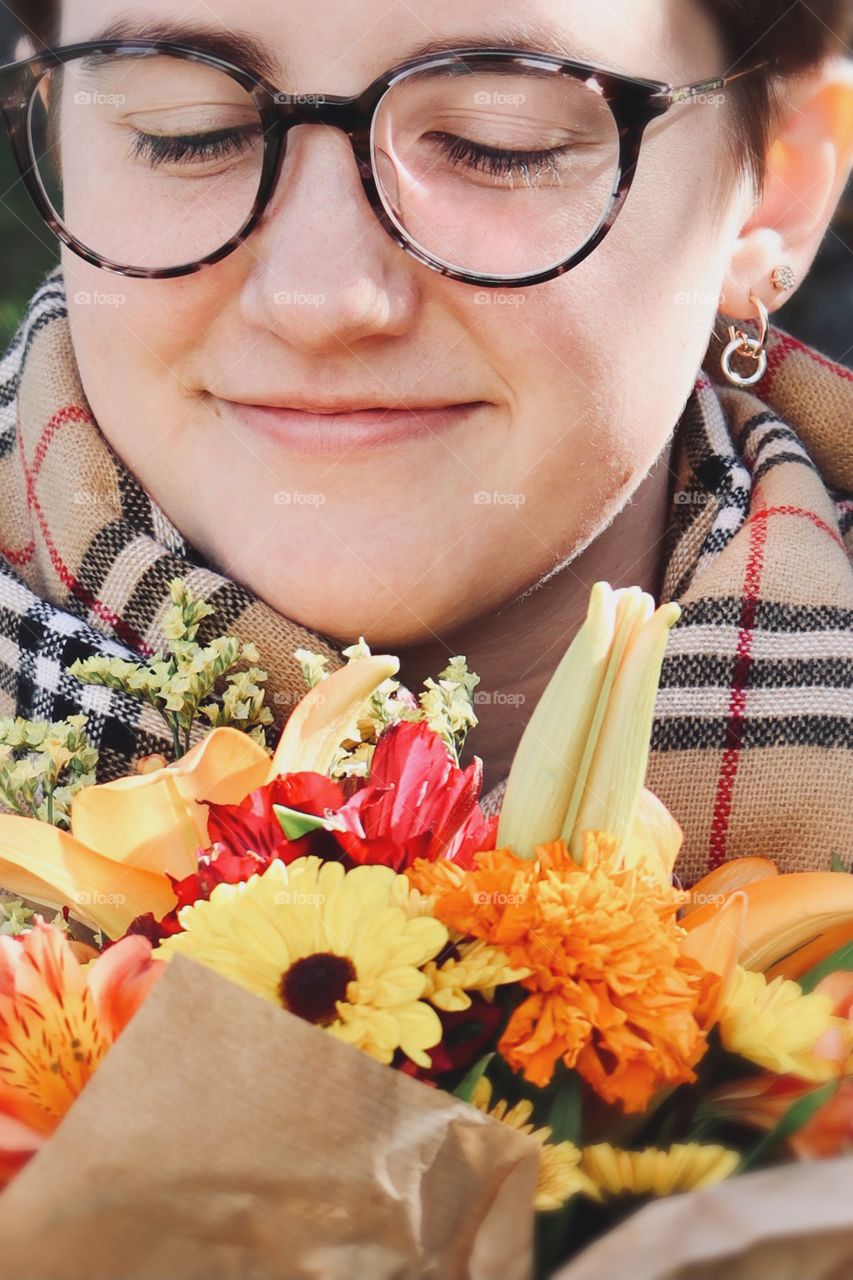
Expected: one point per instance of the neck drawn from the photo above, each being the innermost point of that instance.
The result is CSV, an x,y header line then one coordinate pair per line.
x,y
516,650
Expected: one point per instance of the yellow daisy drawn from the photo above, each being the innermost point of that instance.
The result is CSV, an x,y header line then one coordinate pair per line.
x,y
775,1025
684,1167
560,1175
337,948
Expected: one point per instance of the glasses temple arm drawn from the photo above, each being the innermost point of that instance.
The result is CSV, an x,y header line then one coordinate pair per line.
x,y
683,93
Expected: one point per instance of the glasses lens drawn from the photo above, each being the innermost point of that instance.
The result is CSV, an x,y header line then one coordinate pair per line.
x,y
150,161
496,171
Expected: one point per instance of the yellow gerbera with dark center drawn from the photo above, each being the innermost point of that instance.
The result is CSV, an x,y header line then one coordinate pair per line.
x,y
341,949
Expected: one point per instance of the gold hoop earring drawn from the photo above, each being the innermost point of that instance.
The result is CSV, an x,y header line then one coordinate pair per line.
x,y
743,344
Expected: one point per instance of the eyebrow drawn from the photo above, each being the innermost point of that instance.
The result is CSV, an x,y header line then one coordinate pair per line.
x,y
231,46
244,50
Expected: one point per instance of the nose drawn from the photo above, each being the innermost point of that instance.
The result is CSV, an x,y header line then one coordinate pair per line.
x,y
324,273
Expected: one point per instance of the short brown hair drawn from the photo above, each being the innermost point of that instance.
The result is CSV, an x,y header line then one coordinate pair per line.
x,y
791,38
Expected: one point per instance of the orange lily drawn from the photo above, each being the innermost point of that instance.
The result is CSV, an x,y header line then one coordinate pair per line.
x,y
128,836
784,913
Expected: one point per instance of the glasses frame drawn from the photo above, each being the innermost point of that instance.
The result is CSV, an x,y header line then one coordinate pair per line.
x,y
633,102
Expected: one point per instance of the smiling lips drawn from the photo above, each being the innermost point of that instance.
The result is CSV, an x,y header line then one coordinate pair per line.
x,y
336,429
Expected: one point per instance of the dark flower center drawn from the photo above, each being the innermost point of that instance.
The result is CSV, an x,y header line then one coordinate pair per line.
x,y
312,986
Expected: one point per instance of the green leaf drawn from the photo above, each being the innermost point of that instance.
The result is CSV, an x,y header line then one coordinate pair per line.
x,y
837,864
840,959
295,824
465,1089
792,1121
566,1117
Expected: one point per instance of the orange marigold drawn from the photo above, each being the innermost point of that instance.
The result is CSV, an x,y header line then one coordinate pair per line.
x,y
611,993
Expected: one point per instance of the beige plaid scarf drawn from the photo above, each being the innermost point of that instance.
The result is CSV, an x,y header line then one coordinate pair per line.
x,y
753,736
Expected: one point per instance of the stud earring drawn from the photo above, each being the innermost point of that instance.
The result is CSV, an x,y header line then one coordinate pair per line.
x,y
743,344
783,278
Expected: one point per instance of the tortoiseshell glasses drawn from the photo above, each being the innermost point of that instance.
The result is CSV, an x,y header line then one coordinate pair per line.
x,y
495,167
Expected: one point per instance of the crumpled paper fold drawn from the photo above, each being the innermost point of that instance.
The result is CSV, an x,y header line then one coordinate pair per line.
x,y
790,1223
224,1139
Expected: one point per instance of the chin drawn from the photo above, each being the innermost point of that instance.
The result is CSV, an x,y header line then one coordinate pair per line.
x,y
391,611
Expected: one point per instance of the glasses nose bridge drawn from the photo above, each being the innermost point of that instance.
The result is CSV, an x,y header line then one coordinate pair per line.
x,y
353,116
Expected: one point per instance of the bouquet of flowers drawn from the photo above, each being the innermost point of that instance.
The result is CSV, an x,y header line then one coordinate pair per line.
x,y
399,1029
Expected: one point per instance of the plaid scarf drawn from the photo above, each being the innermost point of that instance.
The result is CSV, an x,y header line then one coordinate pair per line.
x,y
752,748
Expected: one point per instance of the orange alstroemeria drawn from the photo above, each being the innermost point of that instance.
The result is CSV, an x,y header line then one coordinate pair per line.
x,y
57,1020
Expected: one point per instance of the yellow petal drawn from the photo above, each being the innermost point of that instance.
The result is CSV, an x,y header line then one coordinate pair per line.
x,y
155,820
548,759
654,839
621,753
633,609
39,861
328,714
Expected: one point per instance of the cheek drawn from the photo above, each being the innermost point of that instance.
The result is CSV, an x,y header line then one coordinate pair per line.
x,y
598,364
135,338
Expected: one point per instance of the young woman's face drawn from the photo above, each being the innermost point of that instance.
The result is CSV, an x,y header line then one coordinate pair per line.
x,y
534,413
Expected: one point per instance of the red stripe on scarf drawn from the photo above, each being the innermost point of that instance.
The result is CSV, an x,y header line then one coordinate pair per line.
x,y
78,589
740,677
18,557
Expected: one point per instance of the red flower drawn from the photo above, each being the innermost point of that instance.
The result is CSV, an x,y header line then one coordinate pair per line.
x,y
252,826
417,803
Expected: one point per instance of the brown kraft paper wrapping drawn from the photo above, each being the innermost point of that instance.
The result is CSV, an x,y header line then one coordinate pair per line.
x,y
224,1138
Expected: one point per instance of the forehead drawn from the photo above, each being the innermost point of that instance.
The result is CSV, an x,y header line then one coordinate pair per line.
x,y
340,45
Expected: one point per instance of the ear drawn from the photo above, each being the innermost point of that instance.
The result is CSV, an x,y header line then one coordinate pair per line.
x,y
808,164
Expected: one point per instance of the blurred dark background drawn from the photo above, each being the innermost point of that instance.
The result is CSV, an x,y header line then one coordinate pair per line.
x,y
821,313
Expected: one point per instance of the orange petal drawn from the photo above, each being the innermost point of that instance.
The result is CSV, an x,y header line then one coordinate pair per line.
x,y
39,861
725,879
224,767
154,820
716,947
785,912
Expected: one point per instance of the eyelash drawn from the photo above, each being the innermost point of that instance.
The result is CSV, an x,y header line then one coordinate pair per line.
x,y
495,161
179,148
